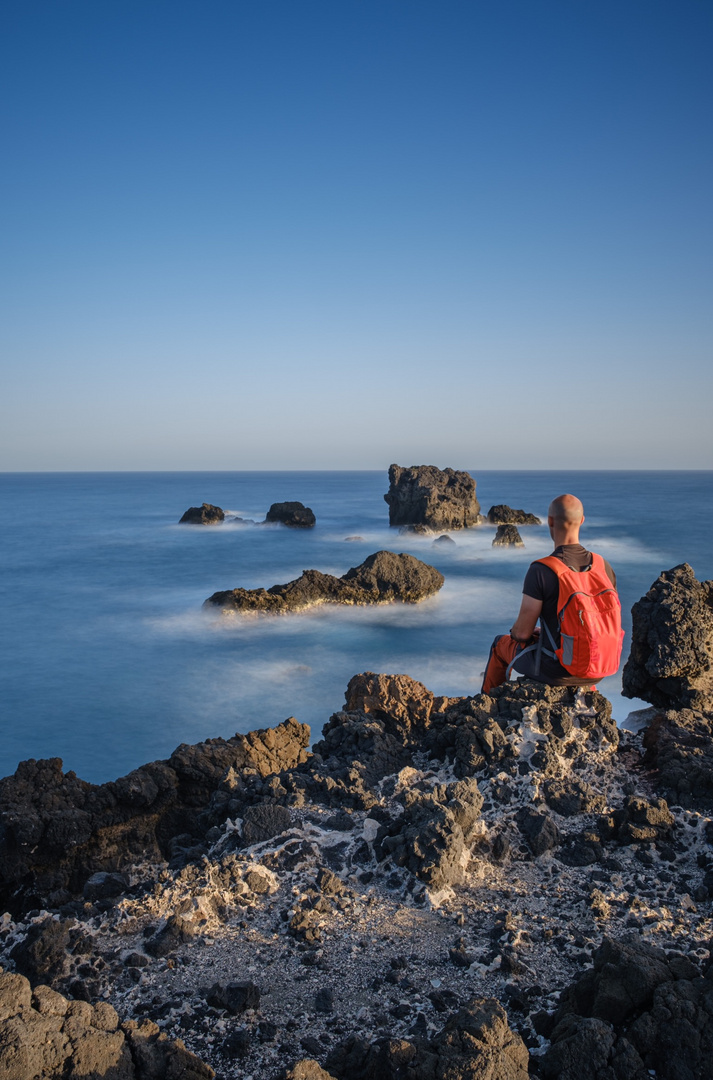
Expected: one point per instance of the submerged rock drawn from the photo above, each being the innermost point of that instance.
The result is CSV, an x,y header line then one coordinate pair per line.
x,y
505,515
203,515
382,578
444,541
295,515
507,536
671,659
436,498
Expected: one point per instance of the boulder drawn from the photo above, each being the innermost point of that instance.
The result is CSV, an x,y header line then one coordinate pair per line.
x,y
58,831
444,541
203,515
436,498
671,659
634,1014
42,1034
505,515
679,744
507,536
477,1043
381,579
295,515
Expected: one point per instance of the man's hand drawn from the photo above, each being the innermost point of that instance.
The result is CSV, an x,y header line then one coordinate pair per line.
x,y
524,626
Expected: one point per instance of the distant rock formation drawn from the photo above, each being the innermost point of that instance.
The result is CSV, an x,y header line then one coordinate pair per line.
x,y
207,514
380,579
295,515
505,515
507,536
671,658
436,498
444,541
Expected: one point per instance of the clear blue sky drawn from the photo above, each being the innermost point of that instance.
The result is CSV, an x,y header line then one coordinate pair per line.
x,y
340,233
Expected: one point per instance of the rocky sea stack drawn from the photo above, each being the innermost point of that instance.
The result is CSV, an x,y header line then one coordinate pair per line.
x,y
381,579
507,536
207,514
437,499
505,515
295,515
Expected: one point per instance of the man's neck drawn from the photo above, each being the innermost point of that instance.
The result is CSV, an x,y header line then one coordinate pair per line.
x,y
562,537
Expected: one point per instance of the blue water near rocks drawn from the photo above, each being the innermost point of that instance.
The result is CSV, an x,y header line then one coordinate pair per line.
x,y
109,661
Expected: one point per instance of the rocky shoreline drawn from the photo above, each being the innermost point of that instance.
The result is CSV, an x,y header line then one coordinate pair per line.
x,y
490,887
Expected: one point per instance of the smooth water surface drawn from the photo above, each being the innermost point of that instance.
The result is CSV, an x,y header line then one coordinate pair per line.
x,y
109,660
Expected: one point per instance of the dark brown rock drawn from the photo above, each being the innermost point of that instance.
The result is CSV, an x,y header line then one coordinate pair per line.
x,y
381,579
671,658
475,1044
507,536
203,515
679,744
57,830
505,515
436,498
44,1035
295,515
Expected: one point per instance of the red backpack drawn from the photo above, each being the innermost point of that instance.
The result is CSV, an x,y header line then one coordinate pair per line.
x,y
589,618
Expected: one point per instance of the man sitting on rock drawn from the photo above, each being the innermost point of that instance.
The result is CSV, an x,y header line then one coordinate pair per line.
x,y
538,654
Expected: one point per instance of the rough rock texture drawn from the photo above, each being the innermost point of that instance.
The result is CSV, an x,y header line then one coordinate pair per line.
x,y
293,514
381,579
636,1013
436,498
505,515
507,536
57,831
43,1036
203,515
680,746
407,902
671,658
475,1044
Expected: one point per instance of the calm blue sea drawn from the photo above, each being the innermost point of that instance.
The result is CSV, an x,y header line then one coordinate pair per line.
x,y
109,661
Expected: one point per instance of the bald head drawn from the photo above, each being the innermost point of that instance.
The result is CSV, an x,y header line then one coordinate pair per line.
x,y
566,510
564,517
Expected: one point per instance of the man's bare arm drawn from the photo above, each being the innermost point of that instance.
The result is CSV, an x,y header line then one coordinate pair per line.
x,y
524,626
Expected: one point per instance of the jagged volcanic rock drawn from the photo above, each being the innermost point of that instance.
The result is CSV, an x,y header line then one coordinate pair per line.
x,y
293,514
475,1044
381,579
507,536
505,515
634,1014
436,498
203,515
679,744
672,643
56,830
44,1035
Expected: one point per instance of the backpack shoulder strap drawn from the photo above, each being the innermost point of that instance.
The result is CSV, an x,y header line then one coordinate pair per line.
x,y
554,563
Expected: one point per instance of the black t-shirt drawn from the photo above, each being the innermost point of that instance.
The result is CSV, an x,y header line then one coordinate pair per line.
x,y
542,583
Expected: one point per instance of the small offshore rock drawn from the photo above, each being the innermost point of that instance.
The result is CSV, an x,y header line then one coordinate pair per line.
x,y
207,514
382,578
444,541
507,536
295,515
505,515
